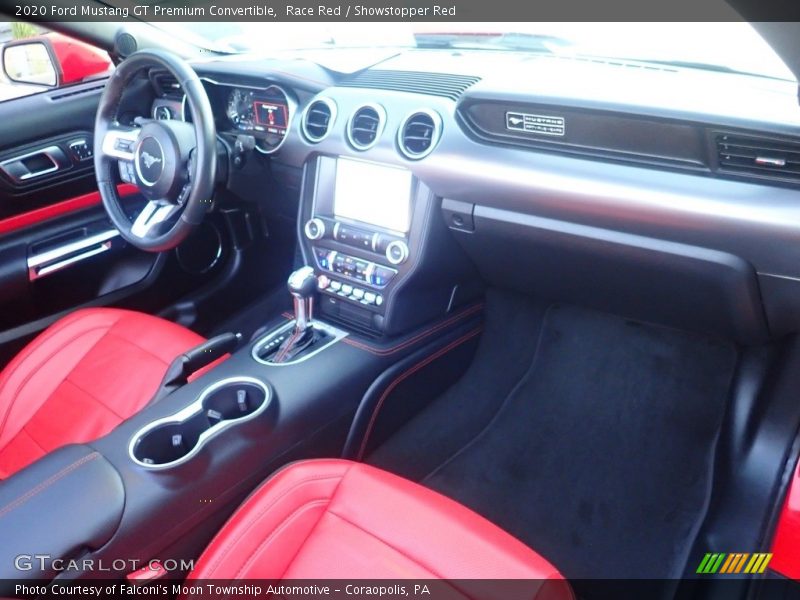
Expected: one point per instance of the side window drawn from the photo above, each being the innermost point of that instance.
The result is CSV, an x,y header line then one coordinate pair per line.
x,y
35,59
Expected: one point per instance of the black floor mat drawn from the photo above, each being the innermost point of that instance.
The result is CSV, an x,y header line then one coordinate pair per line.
x,y
598,453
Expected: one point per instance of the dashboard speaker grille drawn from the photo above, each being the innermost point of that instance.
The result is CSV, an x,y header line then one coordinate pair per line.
x,y
318,120
764,157
431,84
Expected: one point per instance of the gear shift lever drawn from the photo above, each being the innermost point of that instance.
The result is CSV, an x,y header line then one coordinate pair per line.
x,y
302,285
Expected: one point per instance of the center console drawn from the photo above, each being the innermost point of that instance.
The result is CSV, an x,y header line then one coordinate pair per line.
x,y
383,259
379,264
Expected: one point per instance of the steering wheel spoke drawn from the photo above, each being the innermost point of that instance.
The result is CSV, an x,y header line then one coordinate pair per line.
x,y
155,213
120,142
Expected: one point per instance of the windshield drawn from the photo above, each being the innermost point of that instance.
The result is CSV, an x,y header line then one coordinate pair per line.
x,y
726,47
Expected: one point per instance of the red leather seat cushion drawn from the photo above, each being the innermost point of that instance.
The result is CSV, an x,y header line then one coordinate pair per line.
x,y
80,378
332,519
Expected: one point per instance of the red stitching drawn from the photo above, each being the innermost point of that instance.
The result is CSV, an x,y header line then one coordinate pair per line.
x,y
405,375
226,546
29,376
47,483
406,343
423,334
280,527
385,543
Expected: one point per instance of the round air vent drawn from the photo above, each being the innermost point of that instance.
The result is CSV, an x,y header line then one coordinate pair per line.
x,y
366,126
318,119
419,133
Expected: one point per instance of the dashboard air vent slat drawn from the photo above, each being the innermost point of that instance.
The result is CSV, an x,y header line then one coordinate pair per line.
x,y
366,126
446,85
419,133
166,85
764,157
318,119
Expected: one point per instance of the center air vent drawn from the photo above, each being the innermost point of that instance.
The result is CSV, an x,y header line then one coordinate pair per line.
x,y
419,133
366,126
318,119
764,157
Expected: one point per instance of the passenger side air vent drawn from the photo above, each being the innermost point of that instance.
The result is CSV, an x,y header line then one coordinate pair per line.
x,y
366,126
318,119
417,82
763,157
419,134
166,85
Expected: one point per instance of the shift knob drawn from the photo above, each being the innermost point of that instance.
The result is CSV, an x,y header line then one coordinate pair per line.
x,y
302,285
302,282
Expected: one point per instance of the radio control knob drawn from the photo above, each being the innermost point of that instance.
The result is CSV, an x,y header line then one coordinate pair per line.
x,y
314,229
397,252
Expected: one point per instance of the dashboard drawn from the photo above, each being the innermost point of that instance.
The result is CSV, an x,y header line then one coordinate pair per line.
x,y
698,169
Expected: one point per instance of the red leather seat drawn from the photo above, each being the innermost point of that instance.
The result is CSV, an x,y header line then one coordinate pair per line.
x,y
80,378
334,519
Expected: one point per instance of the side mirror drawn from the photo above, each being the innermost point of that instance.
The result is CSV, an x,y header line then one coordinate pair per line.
x,y
52,59
30,61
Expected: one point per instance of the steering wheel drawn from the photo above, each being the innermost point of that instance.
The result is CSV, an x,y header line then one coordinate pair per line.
x,y
172,163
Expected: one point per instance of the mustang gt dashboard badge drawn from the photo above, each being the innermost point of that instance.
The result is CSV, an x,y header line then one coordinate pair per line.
x,y
530,123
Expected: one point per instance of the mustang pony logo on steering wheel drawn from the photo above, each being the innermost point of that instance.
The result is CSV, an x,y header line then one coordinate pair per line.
x,y
149,159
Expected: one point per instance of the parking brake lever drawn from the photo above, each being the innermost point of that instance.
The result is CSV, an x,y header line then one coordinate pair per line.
x,y
195,359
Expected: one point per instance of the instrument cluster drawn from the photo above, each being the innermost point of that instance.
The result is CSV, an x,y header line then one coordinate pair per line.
x,y
263,113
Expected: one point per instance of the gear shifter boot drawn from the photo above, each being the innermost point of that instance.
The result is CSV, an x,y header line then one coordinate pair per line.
x,y
294,348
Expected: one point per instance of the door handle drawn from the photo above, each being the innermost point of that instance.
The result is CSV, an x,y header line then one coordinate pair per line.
x,y
52,261
35,164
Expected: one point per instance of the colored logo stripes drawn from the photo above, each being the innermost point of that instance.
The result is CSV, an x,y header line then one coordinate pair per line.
x,y
733,563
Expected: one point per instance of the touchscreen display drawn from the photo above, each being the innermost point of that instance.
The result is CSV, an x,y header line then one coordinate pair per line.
x,y
375,194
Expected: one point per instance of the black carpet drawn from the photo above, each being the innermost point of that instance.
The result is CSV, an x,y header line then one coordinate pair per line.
x,y
589,437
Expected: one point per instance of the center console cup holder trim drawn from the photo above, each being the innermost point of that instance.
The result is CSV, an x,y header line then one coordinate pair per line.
x,y
194,412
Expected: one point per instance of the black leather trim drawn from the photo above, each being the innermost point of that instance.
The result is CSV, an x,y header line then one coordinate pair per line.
x,y
70,501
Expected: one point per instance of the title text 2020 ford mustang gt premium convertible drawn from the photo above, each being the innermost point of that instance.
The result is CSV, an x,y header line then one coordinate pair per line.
x,y
428,311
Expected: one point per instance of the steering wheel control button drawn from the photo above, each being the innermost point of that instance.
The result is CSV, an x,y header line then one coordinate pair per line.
x,y
397,252
315,229
149,161
124,145
126,171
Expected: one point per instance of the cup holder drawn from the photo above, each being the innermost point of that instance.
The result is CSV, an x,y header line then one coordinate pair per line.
x,y
175,439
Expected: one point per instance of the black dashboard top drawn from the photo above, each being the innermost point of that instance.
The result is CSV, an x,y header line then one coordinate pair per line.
x,y
697,157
